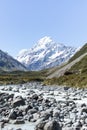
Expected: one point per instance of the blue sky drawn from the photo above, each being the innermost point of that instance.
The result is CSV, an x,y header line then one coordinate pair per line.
x,y
24,22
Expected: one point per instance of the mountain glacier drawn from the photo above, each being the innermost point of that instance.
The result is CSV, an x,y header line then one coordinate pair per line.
x,y
45,54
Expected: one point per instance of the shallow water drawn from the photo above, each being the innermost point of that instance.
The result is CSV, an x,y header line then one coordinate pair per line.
x,y
27,126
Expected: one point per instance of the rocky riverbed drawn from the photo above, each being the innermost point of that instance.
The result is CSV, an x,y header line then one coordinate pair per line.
x,y
33,106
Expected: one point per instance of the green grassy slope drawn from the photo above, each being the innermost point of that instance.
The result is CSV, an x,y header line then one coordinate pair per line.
x,y
79,53
77,75
17,77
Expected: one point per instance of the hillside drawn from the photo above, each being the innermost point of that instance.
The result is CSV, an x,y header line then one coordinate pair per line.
x,y
60,71
79,53
20,77
73,73
8,63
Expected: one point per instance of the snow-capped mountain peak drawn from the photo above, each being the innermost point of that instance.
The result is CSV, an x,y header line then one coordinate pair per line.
x,y
23,51
43,43
45,53
45,40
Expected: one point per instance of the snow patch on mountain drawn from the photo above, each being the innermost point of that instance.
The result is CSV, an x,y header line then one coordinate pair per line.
x,y
23,51
45,54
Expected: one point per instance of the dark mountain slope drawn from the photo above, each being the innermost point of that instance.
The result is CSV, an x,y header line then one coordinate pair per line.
x,y
8,63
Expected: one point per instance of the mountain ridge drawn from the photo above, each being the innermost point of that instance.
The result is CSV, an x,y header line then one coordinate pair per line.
x,y
8,63
45,54
72,73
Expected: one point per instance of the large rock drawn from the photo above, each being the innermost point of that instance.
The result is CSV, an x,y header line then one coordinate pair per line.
x,y
13,115
84,109
40,125
19,129
46,114
52,125
18,101
56,113
35,96
19,121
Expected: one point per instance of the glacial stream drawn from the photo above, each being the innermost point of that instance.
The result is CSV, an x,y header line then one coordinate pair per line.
x,y
27,126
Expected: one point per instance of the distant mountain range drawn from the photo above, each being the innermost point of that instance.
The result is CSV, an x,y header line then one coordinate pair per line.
x,y
8,63
45,54
70,73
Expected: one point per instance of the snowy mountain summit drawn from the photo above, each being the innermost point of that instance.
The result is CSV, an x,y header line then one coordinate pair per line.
x,y
45,54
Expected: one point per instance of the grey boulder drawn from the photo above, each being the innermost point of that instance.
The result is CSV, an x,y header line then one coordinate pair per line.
x,y
52,125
